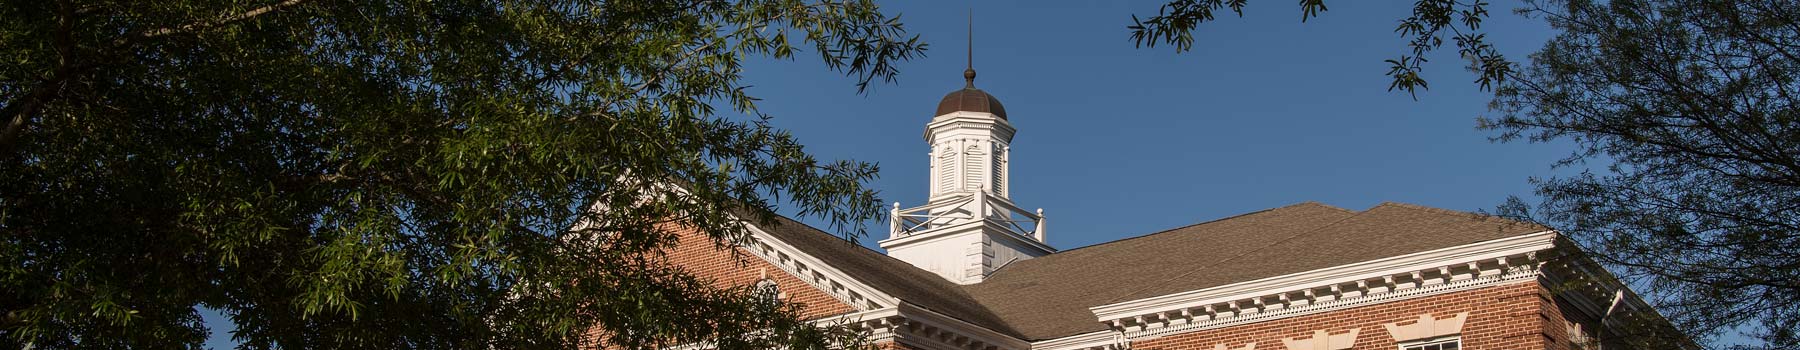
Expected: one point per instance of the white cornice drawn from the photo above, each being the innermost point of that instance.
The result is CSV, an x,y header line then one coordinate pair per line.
x,y
916,326
913,325
877,325
816,272
970,120
967,333
1102,340
1272,312
865,316
1405,276
1585,285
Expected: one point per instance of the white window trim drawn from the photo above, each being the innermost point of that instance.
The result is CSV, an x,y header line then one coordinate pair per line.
x,y
1455,338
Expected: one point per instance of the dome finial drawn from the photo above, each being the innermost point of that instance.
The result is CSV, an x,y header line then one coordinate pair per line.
x,y
969,72
968,98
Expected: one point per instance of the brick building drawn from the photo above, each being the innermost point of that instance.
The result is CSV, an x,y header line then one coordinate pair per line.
x,y
970,269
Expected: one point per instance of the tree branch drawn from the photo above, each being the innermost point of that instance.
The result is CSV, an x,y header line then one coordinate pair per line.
x,y
224,20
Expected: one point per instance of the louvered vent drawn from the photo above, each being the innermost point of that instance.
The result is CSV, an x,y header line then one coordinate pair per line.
x,y
999,171
946,168
972,177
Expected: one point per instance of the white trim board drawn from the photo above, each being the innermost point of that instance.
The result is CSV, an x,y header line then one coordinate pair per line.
x,y
1478,261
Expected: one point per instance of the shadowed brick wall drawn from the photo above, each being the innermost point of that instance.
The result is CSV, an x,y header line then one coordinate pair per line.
x,y
1557,316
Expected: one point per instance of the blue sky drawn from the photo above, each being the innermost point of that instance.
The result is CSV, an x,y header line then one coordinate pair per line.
x,y
1116,141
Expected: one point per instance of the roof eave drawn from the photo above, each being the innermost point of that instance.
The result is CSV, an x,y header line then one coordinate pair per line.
x,y
1304,283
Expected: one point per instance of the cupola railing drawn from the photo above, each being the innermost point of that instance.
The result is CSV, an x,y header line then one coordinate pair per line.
x,y
964,208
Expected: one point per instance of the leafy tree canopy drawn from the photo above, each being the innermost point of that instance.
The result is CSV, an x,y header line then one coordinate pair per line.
x,y
1693,107
405,173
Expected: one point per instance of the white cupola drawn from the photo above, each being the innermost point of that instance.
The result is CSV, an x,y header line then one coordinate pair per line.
x,y
969,227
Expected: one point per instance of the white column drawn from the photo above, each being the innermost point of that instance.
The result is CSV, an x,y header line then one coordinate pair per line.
x,y
1039,231
1005,171
895,225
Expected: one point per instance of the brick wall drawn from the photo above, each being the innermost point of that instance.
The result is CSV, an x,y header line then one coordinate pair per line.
x,y
697,254
1516,316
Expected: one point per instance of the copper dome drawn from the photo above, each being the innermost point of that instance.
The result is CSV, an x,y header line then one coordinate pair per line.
x,y
970,99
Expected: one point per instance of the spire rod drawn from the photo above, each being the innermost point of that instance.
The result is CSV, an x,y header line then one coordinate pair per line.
x,y
969,72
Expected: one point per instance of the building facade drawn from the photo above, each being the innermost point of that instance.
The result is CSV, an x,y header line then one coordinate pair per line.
x,y
970,270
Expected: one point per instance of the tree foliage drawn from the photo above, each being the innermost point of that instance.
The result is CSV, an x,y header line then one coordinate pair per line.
x,y
1425,29
405,173
1694,108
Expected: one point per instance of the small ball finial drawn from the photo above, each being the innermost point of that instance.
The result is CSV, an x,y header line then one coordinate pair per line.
x,y
969,76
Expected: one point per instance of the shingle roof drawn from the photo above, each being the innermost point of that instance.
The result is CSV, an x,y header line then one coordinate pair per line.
x,y
1048,297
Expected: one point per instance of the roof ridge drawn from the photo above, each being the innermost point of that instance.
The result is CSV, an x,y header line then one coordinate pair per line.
x,y
1476,215
1178,228
1322,204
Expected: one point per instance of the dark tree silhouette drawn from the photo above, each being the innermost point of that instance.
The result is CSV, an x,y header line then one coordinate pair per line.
x,y
404,173
1691,109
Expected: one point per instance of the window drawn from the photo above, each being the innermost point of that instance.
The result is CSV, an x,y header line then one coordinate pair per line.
x,y
766,291
1441,343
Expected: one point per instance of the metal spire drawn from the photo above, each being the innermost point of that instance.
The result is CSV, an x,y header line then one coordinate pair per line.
x,y
969,72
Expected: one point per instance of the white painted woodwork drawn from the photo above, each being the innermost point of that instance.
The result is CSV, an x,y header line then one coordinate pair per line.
x,y
1426,327
968,227
1322,340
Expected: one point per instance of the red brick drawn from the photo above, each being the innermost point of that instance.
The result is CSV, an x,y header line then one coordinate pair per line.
x,y
1516,316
